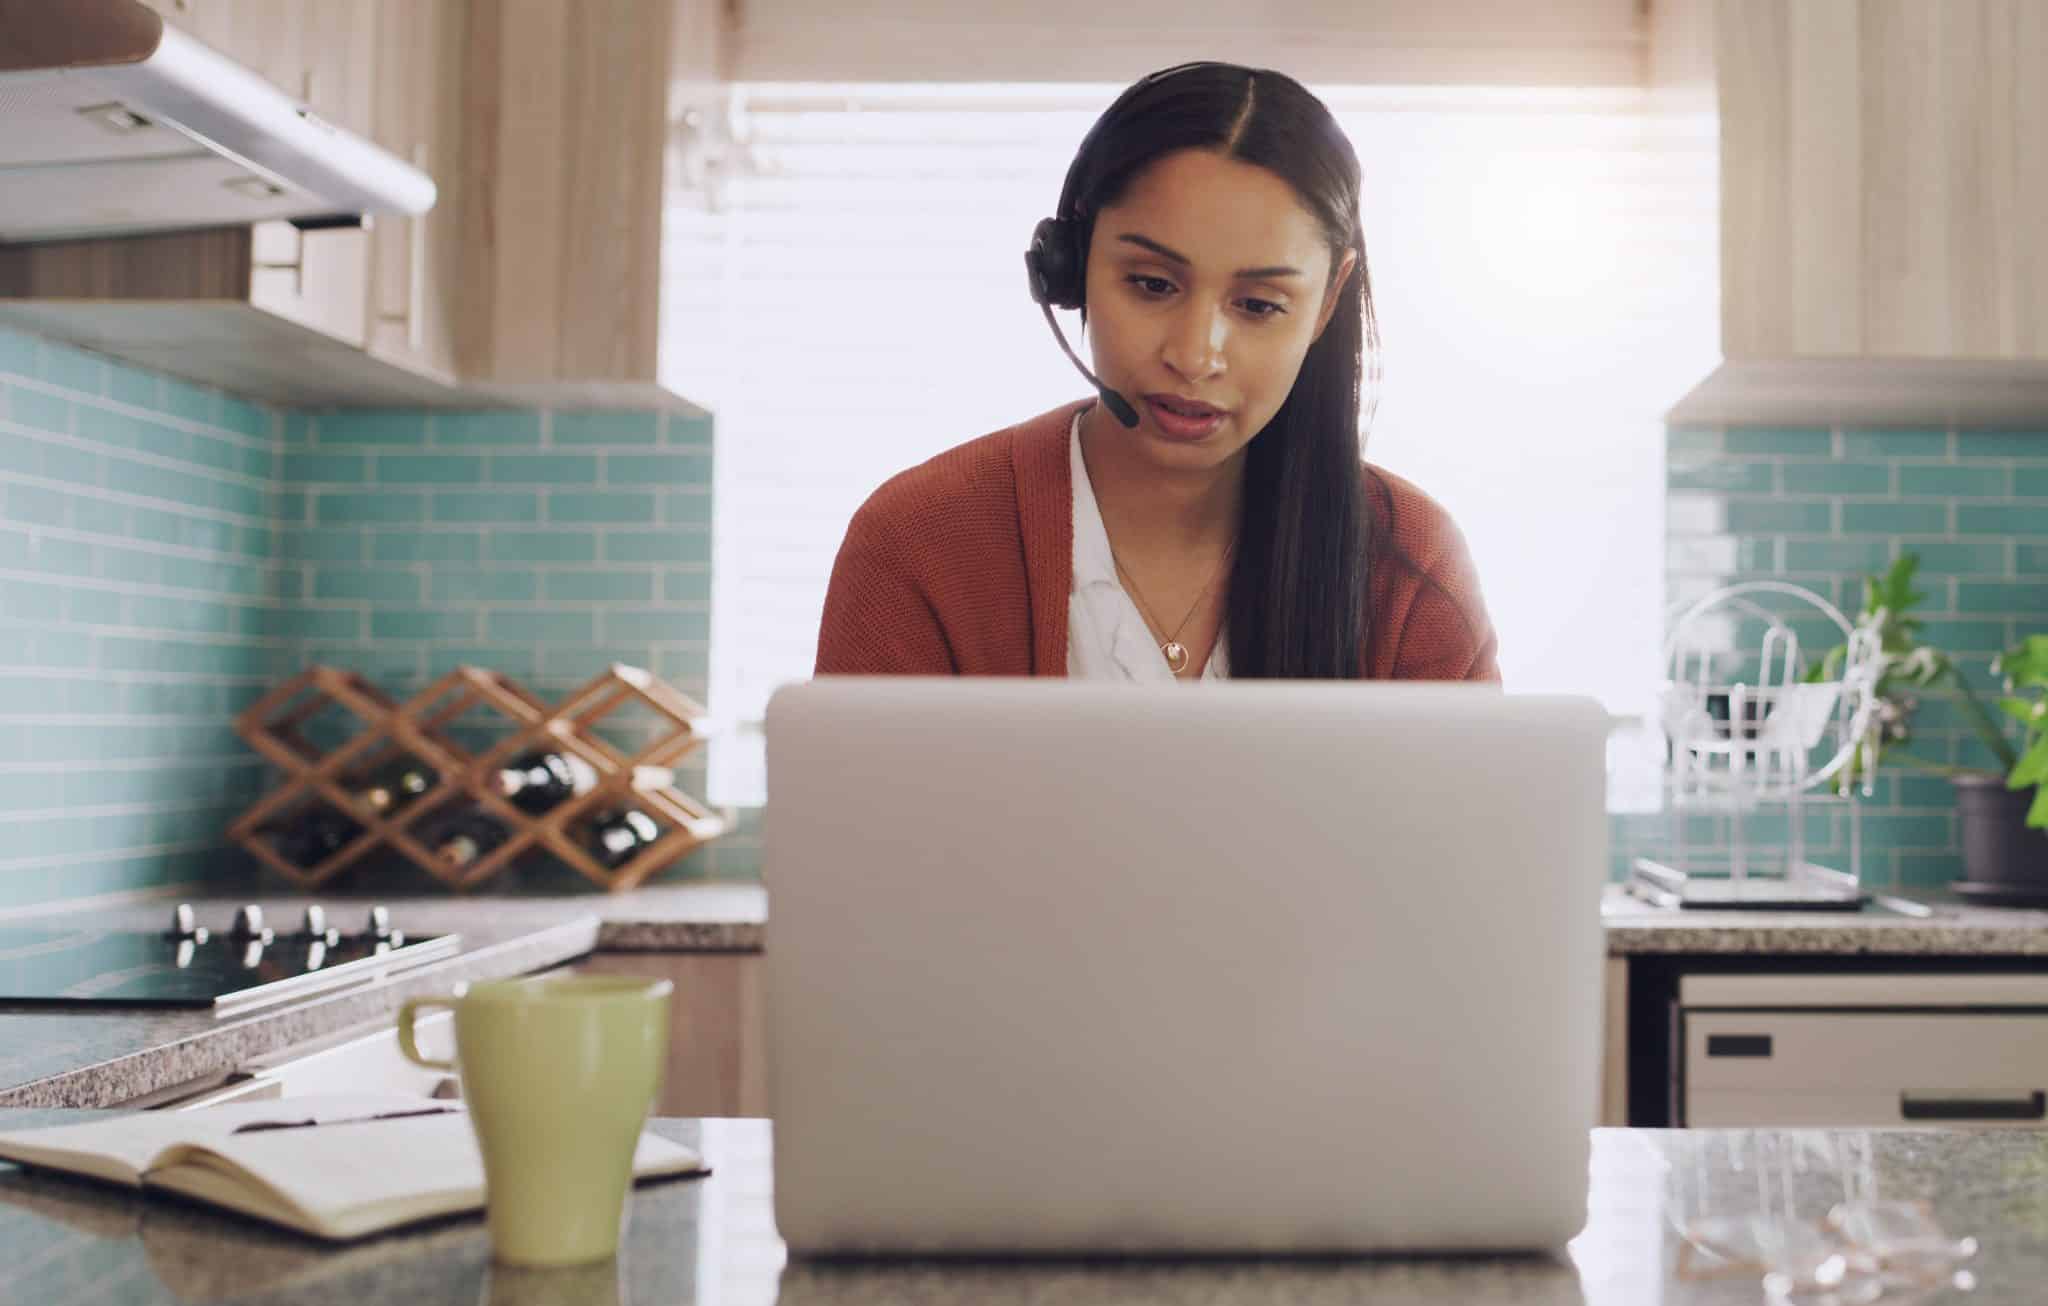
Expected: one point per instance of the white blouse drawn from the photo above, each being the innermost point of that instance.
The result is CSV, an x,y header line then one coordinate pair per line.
x,y
1107,638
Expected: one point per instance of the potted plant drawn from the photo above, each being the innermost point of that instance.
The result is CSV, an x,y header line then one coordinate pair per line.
x,y
2003,814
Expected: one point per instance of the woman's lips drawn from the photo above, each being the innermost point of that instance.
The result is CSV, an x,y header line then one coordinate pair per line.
x,y
1183,419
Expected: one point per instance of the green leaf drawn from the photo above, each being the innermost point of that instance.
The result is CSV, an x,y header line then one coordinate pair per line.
x,y
1897,587
2025,711
2026,663
2031,769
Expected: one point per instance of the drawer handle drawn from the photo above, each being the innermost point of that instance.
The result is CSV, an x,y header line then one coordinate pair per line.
x,y
1738,1045
2032,1107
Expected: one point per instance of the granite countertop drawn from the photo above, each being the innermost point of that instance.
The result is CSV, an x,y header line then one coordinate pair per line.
x,y
90,1057
1959,929
100,1056
712,1241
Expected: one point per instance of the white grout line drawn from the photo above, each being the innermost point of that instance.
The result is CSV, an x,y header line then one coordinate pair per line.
x,y
104,901
126,499
80,536
212,845
167,462
127,409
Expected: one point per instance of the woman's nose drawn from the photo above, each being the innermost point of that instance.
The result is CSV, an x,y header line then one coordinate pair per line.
x,y
1194,347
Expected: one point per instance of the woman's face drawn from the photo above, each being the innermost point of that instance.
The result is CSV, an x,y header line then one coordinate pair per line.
x,y
1207,283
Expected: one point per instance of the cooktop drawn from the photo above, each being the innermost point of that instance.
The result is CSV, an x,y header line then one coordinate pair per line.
x,y
246,965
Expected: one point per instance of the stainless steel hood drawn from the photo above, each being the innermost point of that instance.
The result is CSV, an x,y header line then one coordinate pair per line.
x,y
112,122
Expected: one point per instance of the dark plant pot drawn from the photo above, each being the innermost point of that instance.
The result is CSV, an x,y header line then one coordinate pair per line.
x,y
1998,848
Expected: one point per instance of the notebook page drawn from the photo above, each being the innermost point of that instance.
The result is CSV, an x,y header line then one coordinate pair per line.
x,y
348,1179
121,1147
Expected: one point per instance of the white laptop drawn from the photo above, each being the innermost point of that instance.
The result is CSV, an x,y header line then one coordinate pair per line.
x,y
1080,968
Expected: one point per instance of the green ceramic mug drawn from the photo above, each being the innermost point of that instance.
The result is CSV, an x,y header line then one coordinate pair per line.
x,y
559,1073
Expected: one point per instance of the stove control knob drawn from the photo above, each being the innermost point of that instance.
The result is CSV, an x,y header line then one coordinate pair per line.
x,y
184,925
249,926
379,926
317,931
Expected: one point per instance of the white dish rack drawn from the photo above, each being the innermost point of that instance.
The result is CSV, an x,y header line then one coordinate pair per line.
x,y
1753,745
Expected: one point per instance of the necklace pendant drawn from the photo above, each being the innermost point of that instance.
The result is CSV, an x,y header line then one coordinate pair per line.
x,y
1176,656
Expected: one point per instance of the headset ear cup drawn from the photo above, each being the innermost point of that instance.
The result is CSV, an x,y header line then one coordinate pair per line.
x,y
1054,265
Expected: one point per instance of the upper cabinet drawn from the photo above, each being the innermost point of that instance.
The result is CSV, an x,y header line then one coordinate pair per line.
x,y
567,108
535,278
1321,42
1884,211
417,113
1884,184
316,51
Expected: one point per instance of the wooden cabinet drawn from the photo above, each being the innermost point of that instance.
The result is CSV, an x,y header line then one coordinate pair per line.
x,y
568,109
1884,190
317,51
417,114
150,296
535,279
1883,208
273,310
389,70
717,1062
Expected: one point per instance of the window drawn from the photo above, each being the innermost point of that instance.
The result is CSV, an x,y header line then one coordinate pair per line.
x,y
849,299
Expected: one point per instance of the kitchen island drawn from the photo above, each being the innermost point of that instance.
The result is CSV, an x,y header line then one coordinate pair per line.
x,y
65,1242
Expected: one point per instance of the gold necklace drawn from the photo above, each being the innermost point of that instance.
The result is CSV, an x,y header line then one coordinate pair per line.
x,y
1176,652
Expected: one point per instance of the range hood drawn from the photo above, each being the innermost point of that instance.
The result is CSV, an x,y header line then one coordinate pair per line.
x,y
112,122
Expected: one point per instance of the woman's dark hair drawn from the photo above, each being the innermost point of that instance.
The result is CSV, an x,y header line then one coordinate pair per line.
x,y
1299,589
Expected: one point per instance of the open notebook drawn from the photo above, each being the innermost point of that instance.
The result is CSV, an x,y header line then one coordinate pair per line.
x,y
335,1166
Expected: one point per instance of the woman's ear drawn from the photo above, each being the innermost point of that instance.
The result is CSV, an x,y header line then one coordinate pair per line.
x,y
1335,293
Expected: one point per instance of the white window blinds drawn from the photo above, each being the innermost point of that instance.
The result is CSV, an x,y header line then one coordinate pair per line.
x,y
848,297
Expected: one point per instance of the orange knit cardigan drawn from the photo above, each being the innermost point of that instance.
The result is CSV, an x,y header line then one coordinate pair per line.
x,y
963,565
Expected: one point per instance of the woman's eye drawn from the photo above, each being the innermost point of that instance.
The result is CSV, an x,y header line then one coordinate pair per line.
x,y
1154,286
1261,307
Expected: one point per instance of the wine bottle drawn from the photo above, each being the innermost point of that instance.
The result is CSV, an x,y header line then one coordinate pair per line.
x,y
394,786
617,836
310,837
537,781
460,835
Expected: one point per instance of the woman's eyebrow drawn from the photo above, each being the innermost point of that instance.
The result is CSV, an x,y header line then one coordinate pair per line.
x,y
1174,256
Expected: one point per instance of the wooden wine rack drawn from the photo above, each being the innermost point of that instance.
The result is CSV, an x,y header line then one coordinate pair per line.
x,y
420,729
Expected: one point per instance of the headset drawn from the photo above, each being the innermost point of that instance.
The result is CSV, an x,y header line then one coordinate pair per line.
x,y
1055,266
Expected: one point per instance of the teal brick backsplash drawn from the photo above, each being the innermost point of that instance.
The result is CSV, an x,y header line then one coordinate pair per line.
x,y
1972,504
682,546
538,547
612,429
168,552
428,469
472,585
2002,519
1832,477
544,469
1955,482
135,570
615,506
1755,441
487,507
400,430
546,546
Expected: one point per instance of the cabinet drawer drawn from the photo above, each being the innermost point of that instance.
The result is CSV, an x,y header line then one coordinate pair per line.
x,y
1865,1069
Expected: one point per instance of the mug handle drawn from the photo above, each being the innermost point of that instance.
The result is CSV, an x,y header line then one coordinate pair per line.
x,y
407,1044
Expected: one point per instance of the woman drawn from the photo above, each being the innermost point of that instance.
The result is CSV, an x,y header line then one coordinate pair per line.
x,y
1210,515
